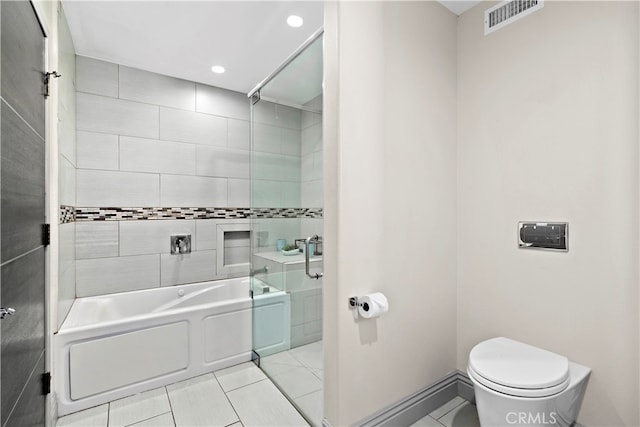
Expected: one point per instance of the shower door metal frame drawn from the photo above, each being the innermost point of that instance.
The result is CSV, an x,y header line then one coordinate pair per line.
x,y
317,34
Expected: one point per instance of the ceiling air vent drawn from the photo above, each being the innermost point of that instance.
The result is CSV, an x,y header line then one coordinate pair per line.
x,y
506,12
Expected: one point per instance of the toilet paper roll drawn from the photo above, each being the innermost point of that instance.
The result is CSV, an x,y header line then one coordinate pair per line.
x,y
373,305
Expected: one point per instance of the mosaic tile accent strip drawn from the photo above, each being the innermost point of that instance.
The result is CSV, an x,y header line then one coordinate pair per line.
x,y
313,213
67,214
286,213
136,214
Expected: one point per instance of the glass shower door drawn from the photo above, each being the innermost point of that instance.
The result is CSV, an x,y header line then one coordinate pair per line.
x,y
286,201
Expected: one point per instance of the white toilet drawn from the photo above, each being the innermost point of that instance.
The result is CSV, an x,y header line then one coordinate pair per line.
x,y
517,384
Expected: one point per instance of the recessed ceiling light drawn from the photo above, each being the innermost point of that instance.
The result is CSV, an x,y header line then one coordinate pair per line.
x,y
217,69
295,21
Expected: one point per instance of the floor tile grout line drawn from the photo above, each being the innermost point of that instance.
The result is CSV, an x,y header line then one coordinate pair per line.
x,y
173,416
291,352
228,400
304,365
430,419
316,375
451,410
438,422
286,364
137,403
242,386
252,365
307,394
150,418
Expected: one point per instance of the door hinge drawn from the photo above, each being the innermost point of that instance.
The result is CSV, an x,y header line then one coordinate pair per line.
x,y
255,97
46,383
46,77
46,234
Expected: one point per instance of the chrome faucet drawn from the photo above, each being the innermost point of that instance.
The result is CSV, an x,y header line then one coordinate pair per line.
x,y
181,244
6,312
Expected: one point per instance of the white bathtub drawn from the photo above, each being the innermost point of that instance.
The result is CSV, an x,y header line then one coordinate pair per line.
x,y
117,345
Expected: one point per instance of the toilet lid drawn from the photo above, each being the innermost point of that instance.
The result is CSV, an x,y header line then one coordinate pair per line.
x,y
517,365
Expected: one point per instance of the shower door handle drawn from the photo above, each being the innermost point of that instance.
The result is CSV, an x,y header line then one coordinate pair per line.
x,y
313,239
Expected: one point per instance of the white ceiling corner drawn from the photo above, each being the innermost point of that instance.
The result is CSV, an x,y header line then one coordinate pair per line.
x,y
459,6
183,39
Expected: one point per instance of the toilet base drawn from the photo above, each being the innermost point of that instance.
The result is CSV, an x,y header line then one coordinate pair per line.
x,y
497,412
561,410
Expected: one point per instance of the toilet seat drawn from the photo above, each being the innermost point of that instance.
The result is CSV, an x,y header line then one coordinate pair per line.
x,y
518,369
518,392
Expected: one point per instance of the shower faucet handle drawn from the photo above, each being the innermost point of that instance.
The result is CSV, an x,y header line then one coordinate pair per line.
x,y
4,312
180,244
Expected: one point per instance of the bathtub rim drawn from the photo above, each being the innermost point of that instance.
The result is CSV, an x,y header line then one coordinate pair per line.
x,y
65,329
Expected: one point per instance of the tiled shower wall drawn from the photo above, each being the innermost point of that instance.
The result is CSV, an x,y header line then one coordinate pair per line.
x,y
311,178
147,140
276,166
306,299
150,141
287,173
66,166
276,170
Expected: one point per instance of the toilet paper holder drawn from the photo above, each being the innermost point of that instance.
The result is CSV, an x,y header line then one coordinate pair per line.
x,y
369,306
354,303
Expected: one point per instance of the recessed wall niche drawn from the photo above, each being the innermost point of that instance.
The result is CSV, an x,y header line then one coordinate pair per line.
x,y
233,248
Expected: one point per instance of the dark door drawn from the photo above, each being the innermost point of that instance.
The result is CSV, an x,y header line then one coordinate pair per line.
x,y
22,213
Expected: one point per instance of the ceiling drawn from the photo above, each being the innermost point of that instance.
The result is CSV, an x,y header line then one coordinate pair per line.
x,y
185,39
300,81
459,6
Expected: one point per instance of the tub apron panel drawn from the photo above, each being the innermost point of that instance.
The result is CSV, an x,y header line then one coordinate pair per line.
x,y
106,364
104,355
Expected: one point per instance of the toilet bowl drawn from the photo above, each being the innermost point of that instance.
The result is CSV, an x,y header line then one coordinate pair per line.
x,y
517,384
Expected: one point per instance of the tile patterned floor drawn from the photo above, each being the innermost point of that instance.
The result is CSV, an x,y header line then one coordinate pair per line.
x,y
299,373
243,396
455,413
238,396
